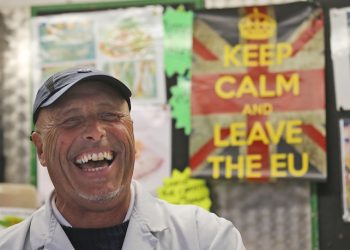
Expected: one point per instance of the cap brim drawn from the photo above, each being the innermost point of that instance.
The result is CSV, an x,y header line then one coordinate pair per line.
x,y
124,91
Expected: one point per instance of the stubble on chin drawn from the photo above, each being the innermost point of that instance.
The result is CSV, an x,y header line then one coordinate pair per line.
x,y
103,196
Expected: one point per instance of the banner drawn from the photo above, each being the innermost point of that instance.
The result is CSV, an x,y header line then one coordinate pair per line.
x,y
258,94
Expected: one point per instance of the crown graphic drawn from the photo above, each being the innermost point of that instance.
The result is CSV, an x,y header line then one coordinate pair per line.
x,y
257,26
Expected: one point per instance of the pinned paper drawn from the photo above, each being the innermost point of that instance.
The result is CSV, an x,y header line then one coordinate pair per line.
x,y
177,40
180,104
181,189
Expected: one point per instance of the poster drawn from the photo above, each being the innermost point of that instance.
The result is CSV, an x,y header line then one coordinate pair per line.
x,y
258,97
152,129
340,51
127,43
344,126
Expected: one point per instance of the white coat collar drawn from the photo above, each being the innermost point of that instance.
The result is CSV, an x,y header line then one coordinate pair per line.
x,y
145,223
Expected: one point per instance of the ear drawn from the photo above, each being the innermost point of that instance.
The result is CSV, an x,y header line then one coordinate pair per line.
x,y
38,143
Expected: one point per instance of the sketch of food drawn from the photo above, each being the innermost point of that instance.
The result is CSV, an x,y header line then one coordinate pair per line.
x,y
125,39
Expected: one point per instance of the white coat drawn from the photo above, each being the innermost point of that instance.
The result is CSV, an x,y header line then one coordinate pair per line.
x,y
154,224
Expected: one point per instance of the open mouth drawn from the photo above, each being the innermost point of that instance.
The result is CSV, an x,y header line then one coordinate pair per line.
x,y
92,162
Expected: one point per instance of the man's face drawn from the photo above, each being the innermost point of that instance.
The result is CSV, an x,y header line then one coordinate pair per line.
x,y
87,144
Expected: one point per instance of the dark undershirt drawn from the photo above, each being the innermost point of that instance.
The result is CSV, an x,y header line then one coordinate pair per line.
x,y
97,238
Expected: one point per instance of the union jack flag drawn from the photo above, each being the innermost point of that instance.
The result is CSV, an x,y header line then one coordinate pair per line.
x,y
300,25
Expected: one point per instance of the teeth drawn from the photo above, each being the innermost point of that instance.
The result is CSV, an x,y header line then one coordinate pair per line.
x,y
109,156
100,156
95,157
93,169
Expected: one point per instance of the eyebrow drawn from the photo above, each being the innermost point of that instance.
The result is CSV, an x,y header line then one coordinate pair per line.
x,y
63,113
70,110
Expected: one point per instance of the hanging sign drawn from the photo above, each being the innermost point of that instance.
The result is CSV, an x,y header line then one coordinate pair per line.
x,y
258,93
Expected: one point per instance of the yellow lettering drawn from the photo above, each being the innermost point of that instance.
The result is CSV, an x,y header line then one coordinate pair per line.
x,y
304,165
253,164
218,141
264,92
224,86
294,132
215,161
250,55
249,166
225,94
283,51
275,134
285,85
266,54
266,133
238,133
257,133
278,164
253,55
230,55
230,166
247,87
257,109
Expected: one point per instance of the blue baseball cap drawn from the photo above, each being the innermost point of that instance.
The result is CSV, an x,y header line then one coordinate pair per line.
x,y
59,83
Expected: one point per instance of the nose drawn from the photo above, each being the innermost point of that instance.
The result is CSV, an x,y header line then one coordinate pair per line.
x,y
94,131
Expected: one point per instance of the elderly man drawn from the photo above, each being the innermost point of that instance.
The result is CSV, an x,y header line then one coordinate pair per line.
x,y
84,136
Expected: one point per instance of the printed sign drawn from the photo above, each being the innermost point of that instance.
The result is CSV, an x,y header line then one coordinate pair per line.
x,y
258,98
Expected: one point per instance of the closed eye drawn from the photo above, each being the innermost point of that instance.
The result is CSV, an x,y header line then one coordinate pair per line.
x,y
110,116
72,121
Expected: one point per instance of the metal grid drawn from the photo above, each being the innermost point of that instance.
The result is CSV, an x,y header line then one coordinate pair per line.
x,y
271,216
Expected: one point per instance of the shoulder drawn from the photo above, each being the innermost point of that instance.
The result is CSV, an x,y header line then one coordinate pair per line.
x,y
188,224
204,227
187,212
206,223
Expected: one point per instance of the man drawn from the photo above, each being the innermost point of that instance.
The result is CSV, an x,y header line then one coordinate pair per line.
x,y
84,136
